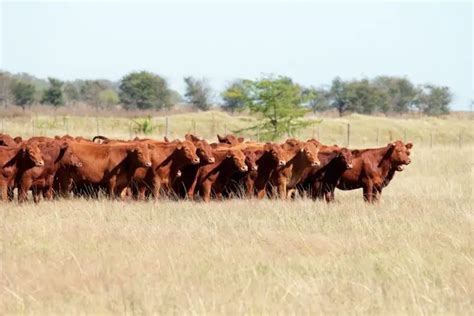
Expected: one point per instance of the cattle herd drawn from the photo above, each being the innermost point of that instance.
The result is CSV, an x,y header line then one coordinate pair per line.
x,y
192,168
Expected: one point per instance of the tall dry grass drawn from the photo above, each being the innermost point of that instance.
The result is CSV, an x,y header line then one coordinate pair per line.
x,y
411,254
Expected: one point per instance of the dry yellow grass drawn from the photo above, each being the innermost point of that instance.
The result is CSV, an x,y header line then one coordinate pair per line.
x,y
411,254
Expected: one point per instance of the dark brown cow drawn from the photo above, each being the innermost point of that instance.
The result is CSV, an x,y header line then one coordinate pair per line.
x,y
242,184
13,159
323,180
373,169
213,177
107,165
203,149
301,158
56,154
168,161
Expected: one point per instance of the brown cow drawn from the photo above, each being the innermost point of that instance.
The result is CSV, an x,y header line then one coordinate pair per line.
x,y
323,180
7,140
12,159
168,161
242,184
56,154
230,139
213,177
107,165
373,169
301,158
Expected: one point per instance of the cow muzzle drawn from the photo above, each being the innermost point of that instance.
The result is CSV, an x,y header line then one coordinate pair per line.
x,y
349,166
255,168
400,168
196,161
282,163
39,163
244,168
148,164
211,160
179,173
316,164
78,164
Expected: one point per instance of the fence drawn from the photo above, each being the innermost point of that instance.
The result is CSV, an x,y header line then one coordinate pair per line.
x,y
344,134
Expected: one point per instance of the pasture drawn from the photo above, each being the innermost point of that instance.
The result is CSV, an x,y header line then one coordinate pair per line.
x,y
412,253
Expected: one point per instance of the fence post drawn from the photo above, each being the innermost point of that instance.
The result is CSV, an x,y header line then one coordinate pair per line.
x,y
97,125
194,127
3,129
319,132
258,133
130,130
166,126
33,126
348,134
225,129
404,136
378,136
66,127
431,140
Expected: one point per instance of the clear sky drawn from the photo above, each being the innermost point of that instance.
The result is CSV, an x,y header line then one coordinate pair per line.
x,y
310,42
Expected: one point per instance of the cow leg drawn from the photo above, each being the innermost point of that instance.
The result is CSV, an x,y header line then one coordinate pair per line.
x,y
11,193
377,192
4,193
282,190
37,192
23,188
249,184
206,191
112,187
367,190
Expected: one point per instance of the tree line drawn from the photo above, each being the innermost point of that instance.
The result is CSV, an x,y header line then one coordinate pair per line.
x,y
146,90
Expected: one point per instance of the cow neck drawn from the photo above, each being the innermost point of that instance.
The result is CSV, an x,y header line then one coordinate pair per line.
x,y
12,154
325,157
385,163
293,150
172,164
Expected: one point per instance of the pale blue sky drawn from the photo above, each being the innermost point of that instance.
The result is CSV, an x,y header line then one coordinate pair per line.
x,y
310,42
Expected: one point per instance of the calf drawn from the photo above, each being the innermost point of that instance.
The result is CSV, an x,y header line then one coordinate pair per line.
x,y
373,169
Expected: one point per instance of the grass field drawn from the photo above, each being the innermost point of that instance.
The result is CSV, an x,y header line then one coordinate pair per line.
x,y
411,254
426,131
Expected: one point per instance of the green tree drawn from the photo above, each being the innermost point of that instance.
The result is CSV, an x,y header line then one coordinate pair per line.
x,y
337,96
317,99
434,100
198,93
281,104
5,87
90,92
401,93
71,92
144,90
234,96
53,94
363,97
108,97
23,93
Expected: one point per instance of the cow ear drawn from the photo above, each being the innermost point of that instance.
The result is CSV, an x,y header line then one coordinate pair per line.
x,y
409,146
267,147
188,137
241,139
64,145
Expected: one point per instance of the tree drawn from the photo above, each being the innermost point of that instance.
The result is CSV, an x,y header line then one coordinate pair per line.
x,y
23,93
90,92
337,96
198,93
71,92
144,90
363,97
108,97
401,93
280,102
317,99
434,100
53,94
234,96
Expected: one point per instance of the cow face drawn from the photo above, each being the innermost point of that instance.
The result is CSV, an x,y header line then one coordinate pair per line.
x,y
345,155
142,154
238,158
400,154
188,151
310,151
204,151
250,159
277,153
32,151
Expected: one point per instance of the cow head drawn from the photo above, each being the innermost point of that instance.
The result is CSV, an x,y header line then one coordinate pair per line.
x,y
250,159
187,150
345,155
230,139
142,153
238,158
33,152
277,153
400,154
68,157
203,149
310,151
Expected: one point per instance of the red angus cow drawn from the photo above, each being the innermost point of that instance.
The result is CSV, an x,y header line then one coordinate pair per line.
x,y
373,169
14,159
